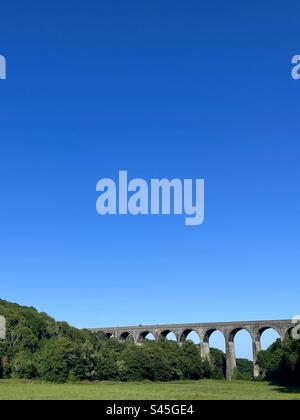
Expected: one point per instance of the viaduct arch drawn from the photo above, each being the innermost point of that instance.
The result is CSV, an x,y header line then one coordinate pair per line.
x,y
204,331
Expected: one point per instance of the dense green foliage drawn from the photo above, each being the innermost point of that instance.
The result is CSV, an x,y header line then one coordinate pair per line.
x,y
244,370
39,347
281,362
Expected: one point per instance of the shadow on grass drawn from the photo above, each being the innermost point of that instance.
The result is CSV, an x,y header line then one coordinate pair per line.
x,y
286,389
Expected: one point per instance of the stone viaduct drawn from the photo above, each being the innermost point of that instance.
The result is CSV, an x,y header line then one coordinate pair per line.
x,y
204,331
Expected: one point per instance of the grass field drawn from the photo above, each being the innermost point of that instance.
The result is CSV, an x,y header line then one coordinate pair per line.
x,y
200,390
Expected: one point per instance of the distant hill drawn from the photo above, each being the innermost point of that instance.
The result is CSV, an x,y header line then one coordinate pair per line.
x,y
27,327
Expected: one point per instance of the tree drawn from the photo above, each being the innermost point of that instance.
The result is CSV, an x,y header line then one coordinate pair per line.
x,y
218,363
24,366
60,359
281,362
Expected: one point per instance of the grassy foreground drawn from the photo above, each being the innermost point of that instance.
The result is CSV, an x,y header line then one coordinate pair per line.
x,y
200,390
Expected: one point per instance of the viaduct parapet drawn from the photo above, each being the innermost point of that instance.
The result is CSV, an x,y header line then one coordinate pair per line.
x,y
204,331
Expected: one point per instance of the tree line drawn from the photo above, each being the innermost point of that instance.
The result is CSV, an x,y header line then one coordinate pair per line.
x,y
38,347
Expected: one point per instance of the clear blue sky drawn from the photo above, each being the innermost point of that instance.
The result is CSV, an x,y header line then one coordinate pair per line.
x,y
194,89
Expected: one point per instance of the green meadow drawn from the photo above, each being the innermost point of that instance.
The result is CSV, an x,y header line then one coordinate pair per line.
x,y
186,390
